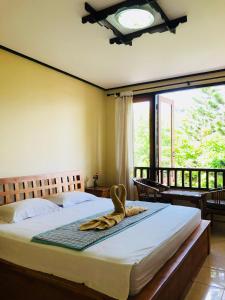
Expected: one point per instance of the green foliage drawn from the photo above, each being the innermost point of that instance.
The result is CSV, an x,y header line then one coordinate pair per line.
x,y
200,141
165,147
141,139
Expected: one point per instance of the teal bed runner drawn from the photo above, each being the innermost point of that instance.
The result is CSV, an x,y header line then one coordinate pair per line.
x,y
69,236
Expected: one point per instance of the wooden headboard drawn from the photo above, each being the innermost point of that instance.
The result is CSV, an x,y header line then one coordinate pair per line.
x,y
19,188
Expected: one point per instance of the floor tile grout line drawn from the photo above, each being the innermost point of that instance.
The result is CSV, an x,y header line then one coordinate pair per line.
x,y
211,285
211,267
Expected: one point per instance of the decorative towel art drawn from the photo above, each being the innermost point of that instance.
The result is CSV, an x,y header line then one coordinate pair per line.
x,y
118,195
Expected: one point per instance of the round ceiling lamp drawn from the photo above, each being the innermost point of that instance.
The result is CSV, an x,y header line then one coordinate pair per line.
x,y
135,18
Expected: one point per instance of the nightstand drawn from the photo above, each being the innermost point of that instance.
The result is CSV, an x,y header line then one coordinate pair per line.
x,y
99,191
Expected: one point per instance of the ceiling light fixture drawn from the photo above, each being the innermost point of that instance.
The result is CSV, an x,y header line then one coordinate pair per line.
x,y
135,18
130,19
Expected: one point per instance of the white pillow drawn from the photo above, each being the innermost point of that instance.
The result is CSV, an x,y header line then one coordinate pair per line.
x,y
68,199
21,210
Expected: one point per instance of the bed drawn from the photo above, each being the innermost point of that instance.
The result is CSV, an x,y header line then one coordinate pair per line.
x,y
159,265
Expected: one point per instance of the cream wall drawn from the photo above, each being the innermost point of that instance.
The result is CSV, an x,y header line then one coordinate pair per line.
x,y
48,121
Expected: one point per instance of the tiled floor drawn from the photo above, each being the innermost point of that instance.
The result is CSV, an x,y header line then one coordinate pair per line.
x,y
210,282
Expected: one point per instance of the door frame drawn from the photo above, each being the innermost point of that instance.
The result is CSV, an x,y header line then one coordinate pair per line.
x,y
153,98
161,99
153,138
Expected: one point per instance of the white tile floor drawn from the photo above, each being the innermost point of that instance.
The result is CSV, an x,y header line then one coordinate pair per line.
x,y
210,281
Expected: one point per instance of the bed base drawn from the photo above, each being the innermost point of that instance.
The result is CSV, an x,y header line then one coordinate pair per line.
x,y
171,282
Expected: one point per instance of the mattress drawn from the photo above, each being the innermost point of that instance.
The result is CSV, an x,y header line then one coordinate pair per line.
x,y
118,266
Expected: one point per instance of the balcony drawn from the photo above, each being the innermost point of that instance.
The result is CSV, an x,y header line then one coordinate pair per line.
x,y
184,178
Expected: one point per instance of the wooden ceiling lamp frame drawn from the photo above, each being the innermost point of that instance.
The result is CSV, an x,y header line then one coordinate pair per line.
x,y
126,39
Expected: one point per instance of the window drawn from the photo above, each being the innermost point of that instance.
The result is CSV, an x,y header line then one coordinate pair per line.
x,y
189,129
141,111
197,139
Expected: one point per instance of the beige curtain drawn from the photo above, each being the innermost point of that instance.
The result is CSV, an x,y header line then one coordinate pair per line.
x,y
124,141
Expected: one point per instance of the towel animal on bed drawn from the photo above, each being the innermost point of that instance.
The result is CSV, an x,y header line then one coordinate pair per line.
x,y
118,195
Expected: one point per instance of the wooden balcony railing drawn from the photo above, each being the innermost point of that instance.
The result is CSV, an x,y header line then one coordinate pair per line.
x,y
185,178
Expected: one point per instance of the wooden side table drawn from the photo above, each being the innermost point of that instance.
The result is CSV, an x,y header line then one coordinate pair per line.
x,y
99,191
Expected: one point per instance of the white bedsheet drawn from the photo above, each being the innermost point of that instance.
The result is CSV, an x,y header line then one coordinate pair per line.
x,y
120,265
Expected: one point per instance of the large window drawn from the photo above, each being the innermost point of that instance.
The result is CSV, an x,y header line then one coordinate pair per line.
x,y
189,129
198,126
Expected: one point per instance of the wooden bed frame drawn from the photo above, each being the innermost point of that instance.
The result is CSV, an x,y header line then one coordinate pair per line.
x,y
16,282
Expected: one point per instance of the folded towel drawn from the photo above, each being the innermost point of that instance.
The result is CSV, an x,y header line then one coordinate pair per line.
x,y
118,196
103,222
134,210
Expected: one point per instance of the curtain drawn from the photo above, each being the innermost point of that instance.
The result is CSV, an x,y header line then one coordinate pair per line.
x,y
124,141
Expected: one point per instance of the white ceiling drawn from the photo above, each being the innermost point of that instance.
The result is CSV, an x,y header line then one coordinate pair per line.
x,y
51,31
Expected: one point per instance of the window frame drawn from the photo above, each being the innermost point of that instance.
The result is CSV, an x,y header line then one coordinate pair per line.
x,y
153,147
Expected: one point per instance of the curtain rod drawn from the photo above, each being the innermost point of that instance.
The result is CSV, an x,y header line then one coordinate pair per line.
x,y
187,84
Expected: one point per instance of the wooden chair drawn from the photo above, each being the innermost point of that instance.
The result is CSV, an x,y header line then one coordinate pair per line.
x,y
149,190
214,203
